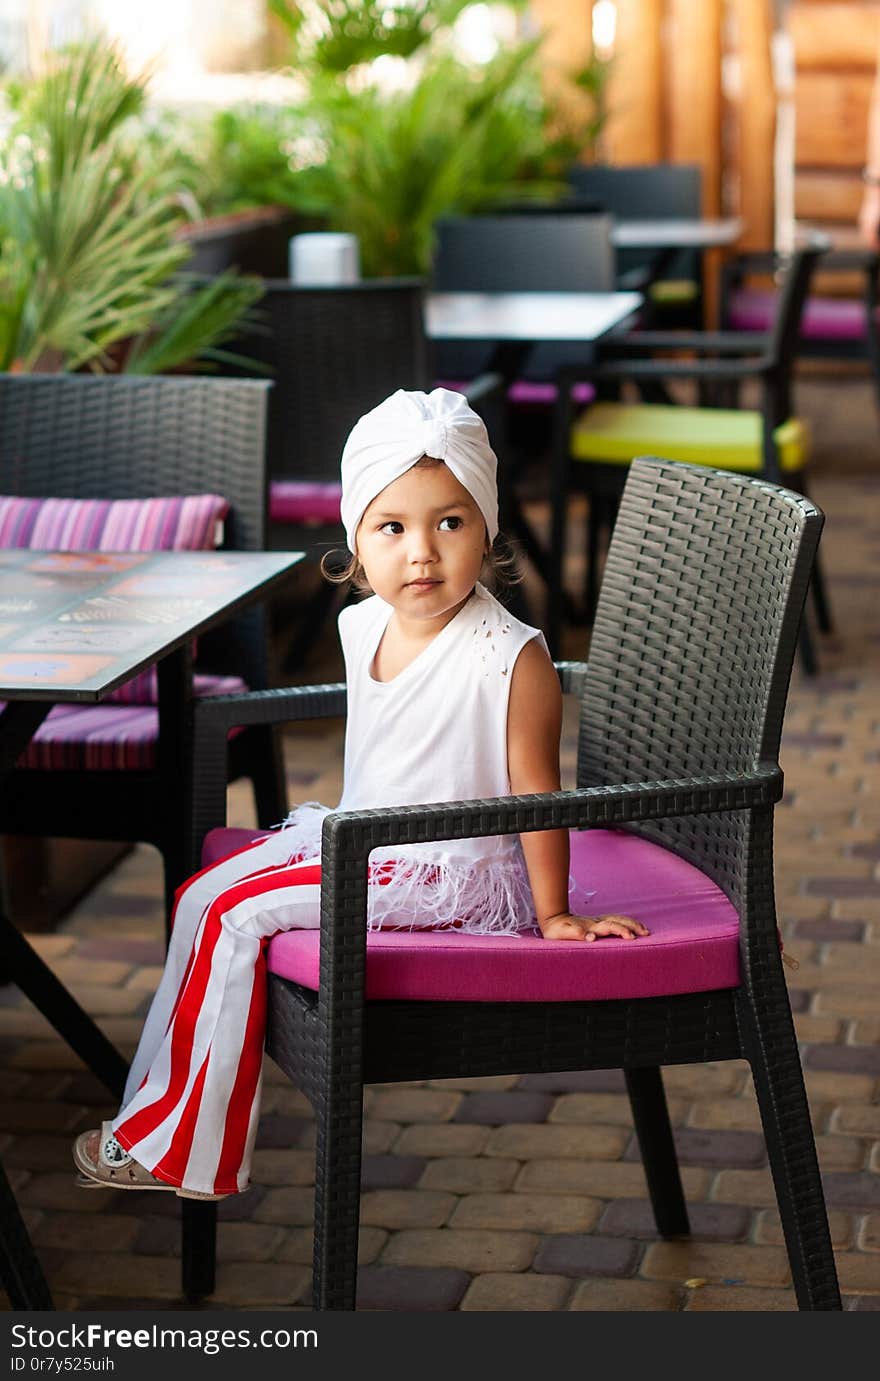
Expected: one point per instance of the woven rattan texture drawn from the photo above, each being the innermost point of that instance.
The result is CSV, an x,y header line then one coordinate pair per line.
x,y
334,352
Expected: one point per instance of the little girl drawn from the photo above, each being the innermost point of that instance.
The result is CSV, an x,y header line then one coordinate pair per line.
x,y
449,698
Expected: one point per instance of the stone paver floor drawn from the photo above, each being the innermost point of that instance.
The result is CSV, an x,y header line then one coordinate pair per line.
x,y
516,1193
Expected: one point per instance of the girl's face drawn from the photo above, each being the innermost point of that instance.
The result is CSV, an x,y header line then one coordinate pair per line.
x,y
421,543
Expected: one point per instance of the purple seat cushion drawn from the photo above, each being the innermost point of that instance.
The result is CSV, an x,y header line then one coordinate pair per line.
x,y
693,945
530,393
192,522
108,738
304,502
824,318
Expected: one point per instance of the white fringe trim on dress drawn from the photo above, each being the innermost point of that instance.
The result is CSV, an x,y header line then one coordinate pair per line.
x,y
481,897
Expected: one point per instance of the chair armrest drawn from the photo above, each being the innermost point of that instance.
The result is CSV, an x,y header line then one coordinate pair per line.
x,y
572,676
685,369
700,342
349,836
218,714
635,280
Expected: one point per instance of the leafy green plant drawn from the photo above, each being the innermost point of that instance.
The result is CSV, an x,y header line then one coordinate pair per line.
x,y
89,253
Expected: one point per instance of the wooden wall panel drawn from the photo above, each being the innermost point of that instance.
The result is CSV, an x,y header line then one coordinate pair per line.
x,y
568,29
834,37
828,196
692,52
753,117
634,132
831,113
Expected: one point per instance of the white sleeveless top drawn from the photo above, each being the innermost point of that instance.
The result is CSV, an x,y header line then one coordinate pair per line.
x,y
436,732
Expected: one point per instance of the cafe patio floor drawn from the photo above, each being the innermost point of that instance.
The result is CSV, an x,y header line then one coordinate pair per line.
x,y
524,1193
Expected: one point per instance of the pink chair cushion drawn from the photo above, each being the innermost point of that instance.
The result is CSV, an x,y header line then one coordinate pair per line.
x,y
191,522
825,318
108,738
304,503
531,393
693,945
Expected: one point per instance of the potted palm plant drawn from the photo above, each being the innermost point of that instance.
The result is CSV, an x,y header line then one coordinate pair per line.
x,y
92,266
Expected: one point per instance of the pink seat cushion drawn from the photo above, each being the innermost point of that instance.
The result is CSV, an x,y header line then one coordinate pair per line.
x,y
106,737
825,318
693,945
304,503
530,392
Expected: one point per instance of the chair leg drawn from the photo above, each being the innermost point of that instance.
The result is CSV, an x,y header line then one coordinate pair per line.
x,y
198,1248
651,1116
267,775
771,1049
807,651
337,1199
594,530
20,1270
820,599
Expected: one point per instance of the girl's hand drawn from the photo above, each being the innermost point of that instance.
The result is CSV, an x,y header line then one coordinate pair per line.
x,y
568,927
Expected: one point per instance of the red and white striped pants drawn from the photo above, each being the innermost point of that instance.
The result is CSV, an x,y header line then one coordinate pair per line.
x,y
192,1098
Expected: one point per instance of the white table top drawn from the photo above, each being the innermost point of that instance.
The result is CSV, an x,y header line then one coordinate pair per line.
x,y
676,234
531,316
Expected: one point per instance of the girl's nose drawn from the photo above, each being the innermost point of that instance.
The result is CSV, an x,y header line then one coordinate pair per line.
x,y
423,548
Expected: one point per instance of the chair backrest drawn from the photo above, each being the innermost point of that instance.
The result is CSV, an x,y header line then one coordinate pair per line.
x,y
334,353
782,344
519,253
124,437
659,191
524,253
692,646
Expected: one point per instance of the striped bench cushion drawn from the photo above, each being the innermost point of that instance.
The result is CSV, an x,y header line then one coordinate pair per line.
x,y
108,738
192,522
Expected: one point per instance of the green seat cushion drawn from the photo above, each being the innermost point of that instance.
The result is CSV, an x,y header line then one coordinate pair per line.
x,y
673,291
731,440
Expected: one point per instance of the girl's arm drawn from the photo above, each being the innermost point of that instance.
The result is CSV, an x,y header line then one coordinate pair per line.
x,y
534,724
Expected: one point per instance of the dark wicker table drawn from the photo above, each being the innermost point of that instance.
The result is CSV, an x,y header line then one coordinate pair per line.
x,y
73,627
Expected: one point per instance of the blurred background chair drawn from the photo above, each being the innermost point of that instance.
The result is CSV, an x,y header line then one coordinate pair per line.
x,y
681,716
832,328
595,448
333,353
92,772
652,192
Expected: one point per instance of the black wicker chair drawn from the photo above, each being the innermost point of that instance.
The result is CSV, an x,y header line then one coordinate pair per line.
x,y
592,451
79,436
681,714
334,353
652,192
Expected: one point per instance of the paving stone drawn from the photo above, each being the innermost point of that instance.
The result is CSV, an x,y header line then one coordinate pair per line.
x,y
493,1109
840,1153
72,971
708,1222
75,1231
850,1059
744,1187
442,1139
858,1273
830,930
575,1081
297,1245
864,1304
124,948
731,1264
624,1296
56,1190
283,1167
391,1172
839,1087
530,1212
420,1289
852,1190
612,1109
605,1179
738,1299
278,1131
696,1081
289,1207
415,1105
473,1251
411,1208
265,1284
768,1229
726,1114
712,1148
856,1119
526,1142
470,1175
288,1101
23,1115
519,1294
587,1254
92,1273
497,1083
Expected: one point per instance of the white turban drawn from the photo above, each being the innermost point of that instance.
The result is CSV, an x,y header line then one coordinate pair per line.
x,y
386,442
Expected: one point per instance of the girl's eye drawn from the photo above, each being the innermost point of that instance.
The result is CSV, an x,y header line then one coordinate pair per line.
x,y
451,524
392,529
